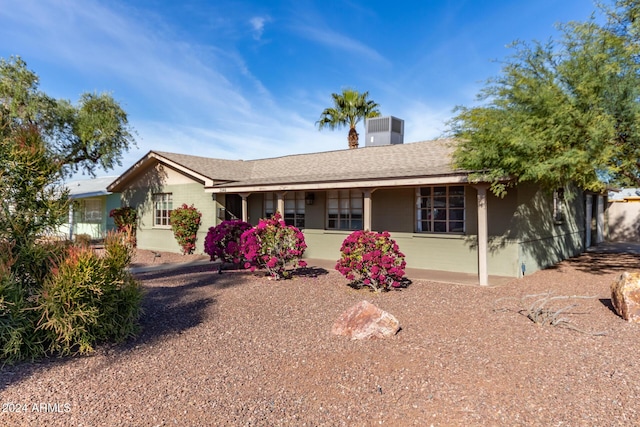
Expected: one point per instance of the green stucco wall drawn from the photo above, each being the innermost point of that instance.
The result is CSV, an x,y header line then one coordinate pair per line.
x,y
96,230
393,210
161,238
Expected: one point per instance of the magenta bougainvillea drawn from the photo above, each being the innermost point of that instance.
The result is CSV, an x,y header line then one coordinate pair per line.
x,y
185,222
273,245
223,241
371,259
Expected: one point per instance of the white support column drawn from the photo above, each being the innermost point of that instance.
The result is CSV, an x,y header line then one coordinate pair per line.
x,y
245,208
71,221
367,210
280,207
483,235
600,220
588,219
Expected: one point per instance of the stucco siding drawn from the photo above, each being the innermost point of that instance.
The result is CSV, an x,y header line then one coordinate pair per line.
x,y
96,229
393,210
544,241
161,238
623,219
255,208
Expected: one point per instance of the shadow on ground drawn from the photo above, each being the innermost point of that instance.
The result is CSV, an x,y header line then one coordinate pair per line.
x,y
174,301
180,299
601,263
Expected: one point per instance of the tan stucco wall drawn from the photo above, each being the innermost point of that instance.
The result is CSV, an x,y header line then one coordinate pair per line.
x,y
623,219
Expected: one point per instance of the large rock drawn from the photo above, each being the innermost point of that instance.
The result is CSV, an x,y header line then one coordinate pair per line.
x,y
625,296
365,320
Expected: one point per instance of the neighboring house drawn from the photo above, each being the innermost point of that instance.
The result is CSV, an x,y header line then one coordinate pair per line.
x,y
623,215
89,212
440,220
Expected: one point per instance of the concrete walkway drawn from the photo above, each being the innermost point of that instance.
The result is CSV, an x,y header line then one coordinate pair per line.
x,y
429,275
415,274
411,273
616,248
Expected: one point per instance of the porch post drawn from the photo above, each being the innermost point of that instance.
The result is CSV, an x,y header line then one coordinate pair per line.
x,y
483,235
71,221
588,219
367,210
245,208
280,196
600,220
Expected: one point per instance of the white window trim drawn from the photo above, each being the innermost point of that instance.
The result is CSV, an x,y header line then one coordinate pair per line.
x,y
353,194
169,202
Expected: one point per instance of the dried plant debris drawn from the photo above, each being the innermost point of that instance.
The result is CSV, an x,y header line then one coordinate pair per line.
x,y
545,310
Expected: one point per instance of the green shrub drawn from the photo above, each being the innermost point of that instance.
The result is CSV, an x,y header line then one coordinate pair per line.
x,y
90,299
19,339
21,277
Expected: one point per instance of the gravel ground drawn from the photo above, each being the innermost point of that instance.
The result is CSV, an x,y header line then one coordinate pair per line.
x,y
239,349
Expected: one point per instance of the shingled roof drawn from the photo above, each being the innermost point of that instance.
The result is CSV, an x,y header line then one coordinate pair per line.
x,y
215,169
427,158
419,159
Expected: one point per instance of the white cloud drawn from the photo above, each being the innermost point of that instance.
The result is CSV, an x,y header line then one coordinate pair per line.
x,y
336,40
257,24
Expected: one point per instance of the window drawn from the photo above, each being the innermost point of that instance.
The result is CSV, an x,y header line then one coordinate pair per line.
x,y
344,210
441,209
162,207
294,203
92,211
294,209
270,204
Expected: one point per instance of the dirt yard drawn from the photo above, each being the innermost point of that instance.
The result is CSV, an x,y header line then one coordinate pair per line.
x,y
239,349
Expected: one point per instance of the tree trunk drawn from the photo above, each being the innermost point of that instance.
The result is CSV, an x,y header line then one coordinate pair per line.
x,y
353,138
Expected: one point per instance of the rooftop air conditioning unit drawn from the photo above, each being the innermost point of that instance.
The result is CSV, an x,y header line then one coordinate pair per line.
x,y
387,130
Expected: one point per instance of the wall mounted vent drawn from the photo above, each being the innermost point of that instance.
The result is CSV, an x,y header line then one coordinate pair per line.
x,y
387,130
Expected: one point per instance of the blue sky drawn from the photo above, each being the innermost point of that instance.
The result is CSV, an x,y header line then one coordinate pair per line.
x,y
249,79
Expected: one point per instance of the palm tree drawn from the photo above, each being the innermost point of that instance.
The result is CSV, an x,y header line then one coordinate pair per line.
x,y
348,109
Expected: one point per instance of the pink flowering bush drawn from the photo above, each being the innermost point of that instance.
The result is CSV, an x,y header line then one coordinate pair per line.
x,y
185,222
223,241
371,259
273,245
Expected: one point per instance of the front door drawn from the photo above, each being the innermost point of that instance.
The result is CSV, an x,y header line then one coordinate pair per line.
x,y
233,205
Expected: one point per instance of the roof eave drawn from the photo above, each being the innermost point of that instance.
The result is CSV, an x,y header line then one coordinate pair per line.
x,y
89,194
455,178
120,183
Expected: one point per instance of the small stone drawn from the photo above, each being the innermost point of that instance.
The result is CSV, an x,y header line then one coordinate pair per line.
x,y
625,296
364,321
